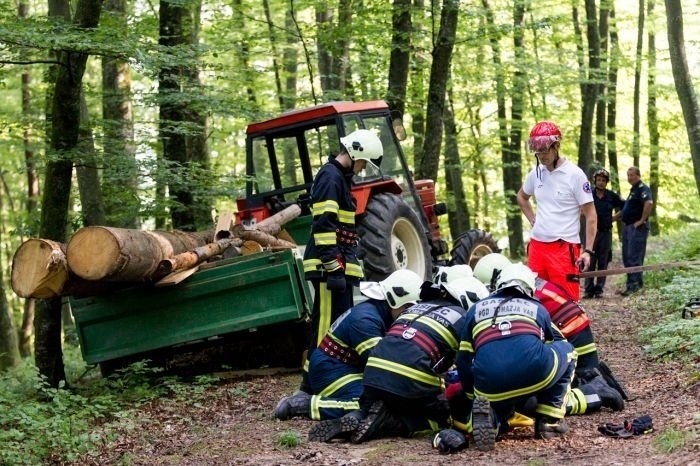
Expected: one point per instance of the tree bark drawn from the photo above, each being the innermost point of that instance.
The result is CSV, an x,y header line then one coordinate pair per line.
x,y
457,207
118,254
65,121
611,118
637,86
400,57
120,170
600,128
9,349
427,168
590,89
684,82
652,121
195,257
92,207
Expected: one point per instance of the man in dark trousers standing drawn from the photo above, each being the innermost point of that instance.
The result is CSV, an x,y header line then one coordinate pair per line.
x,y
605,201
635,215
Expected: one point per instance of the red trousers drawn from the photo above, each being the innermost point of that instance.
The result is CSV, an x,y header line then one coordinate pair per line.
x,y
554,261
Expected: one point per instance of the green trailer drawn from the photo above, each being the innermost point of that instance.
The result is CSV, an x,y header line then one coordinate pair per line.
x,y
228,298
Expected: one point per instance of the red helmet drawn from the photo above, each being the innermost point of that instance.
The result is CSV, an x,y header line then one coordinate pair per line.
x,y
543,135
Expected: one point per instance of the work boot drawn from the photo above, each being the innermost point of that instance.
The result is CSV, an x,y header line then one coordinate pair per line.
x,y
547,427
296,405
325,431
484,429
609,397
379,422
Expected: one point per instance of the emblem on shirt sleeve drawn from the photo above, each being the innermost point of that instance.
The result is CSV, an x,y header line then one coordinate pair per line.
x,y
587,187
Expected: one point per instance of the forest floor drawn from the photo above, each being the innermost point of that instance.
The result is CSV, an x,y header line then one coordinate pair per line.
x,y
232,422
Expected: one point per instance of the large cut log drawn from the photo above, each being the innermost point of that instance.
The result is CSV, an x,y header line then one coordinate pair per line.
x,y
198,255
125,255
39,269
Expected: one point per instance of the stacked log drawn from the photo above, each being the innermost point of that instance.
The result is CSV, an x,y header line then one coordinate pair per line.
x,y
101,257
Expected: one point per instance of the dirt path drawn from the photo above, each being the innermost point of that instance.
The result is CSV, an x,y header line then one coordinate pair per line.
x,y
233,424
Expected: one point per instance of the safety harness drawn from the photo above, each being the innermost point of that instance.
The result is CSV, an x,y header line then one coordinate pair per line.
x,y
342,353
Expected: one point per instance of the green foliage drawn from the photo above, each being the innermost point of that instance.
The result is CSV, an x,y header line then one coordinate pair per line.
x,y
672,439
289,439
670,290
41,424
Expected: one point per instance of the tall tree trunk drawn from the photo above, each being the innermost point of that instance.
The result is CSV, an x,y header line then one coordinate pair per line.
x,y
332,47
512,176
437,91
185,152
65,125
611,119
512,155
417,89
399,60
120,170
590,88
684,82
27,329
93,211
653,119
457,207
9,350
636,149
600,130
196,114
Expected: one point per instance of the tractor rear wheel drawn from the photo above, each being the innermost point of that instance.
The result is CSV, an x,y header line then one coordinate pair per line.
x,y
391,238
471,246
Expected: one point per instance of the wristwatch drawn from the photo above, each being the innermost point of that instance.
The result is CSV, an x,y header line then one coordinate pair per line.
x,y
590,252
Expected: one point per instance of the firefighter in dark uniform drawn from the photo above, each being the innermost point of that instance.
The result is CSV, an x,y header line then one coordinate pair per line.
x,y
403,384
509,352
606,202
593,390
336,365
330,258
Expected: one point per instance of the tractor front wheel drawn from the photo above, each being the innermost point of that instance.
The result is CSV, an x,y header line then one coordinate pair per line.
x,y
391,238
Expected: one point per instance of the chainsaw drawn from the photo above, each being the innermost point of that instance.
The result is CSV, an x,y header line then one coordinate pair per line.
x,y
574,277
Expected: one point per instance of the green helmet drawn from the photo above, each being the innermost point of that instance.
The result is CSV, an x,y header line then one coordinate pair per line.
x,y
489,266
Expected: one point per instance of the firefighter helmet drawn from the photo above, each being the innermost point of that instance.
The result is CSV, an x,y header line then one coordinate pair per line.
x,y
519,276
489,266
543,135
451,272
363,144
401,287
466,290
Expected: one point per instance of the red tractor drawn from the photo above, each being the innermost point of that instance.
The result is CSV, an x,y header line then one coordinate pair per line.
x,y
397,216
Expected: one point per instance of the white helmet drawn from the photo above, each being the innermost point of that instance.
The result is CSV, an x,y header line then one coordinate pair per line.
x,y
489,265
363,144
452,272
466,290
519,276
400,288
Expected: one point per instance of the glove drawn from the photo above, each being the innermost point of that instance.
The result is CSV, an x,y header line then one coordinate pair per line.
x,y
335,281
449,441
641,425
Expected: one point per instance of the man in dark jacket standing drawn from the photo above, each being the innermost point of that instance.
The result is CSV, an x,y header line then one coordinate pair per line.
x,y
635,216
606,202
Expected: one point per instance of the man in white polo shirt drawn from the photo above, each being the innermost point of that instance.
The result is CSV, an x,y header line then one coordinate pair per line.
x,y
562,193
